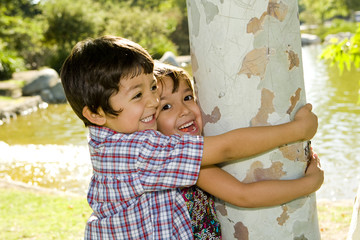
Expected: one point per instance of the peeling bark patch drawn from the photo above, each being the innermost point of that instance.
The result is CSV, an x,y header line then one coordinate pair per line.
x,y
267,107
221,209
211,10
294,60
284,216
255,62
195,19
294,100
293,152
277,10
255,24
213,117
241,231
302,237
257,172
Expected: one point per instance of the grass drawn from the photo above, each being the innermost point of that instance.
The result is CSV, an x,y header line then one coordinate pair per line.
x,y
334,219
27,214
41,216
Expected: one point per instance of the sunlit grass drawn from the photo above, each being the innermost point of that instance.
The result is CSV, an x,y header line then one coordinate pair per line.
x,y
41,216
334,219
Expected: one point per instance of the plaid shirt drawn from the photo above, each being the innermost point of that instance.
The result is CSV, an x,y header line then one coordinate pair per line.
x,y
134,191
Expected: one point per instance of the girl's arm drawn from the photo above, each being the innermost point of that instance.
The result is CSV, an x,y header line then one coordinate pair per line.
x,y
222,185
245,142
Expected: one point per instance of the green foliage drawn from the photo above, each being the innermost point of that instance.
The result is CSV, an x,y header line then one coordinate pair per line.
x,y
9,63
67,23
344,53
149,29
317,12
20,36
42,33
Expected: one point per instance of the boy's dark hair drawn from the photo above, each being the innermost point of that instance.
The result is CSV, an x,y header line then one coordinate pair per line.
x,y
162,70
93,70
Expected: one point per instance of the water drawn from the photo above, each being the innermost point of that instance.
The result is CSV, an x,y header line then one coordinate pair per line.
x,y
337,141
48,148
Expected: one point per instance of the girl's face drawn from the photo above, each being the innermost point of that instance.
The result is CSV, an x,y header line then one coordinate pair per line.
x,y
178,112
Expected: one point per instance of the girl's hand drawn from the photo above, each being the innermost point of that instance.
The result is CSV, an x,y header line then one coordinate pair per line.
x,y
314,170
307,122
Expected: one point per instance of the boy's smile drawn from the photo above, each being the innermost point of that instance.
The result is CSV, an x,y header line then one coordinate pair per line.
x,y
178,112
137,99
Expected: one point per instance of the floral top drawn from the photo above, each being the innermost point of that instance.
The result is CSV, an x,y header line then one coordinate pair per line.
x,y
204,222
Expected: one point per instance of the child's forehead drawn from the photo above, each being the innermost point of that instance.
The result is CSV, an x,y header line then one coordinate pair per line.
x,y
137,81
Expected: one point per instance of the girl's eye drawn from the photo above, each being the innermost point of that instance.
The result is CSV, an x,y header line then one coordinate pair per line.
x,y
137,95
166,107
154,88
189,98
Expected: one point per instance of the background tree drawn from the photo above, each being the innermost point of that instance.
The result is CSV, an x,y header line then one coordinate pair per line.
x,y
20,36
317,12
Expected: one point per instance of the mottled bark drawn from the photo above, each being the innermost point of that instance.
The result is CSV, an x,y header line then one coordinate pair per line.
x,y
246,59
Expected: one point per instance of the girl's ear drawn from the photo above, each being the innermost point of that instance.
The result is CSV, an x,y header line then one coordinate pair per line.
x,y
96,118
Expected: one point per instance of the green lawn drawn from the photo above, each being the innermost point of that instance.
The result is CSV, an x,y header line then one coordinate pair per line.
x,y
38,215
41,216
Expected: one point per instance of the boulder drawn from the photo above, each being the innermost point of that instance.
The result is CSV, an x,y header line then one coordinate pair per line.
x,y
45,78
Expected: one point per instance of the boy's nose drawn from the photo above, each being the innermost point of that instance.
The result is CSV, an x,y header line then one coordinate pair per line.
x,y
184,110
153,100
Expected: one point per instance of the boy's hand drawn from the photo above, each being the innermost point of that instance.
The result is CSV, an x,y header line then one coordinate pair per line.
x,y
315,172
306,121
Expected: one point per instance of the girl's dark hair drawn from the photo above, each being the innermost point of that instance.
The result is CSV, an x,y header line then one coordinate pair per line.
x,y
162,70
94,69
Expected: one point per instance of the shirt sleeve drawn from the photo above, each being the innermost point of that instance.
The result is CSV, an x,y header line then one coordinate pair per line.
x,y
128,165
169,161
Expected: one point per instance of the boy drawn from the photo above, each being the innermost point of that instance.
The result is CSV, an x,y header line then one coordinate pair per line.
x,y
137,171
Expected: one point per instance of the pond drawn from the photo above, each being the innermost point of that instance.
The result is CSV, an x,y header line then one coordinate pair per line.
x,y
48,148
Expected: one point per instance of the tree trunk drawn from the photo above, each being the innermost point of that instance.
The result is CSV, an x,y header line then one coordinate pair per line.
x,y
246,61
354,231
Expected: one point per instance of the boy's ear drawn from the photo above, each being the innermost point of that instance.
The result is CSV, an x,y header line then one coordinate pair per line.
x,y
96,118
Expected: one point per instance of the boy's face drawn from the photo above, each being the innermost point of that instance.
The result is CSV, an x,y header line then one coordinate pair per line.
x,y
138,98
178,112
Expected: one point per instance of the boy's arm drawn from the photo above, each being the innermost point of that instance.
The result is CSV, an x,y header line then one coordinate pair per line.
x,y
222,185
245,142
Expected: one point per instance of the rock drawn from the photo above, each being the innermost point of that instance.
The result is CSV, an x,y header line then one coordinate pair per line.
x,y
10,89
46,78
58,93
307,39
21,106
169,58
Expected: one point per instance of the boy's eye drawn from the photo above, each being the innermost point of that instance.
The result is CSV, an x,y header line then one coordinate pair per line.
x,y
166,107
189,98
137,95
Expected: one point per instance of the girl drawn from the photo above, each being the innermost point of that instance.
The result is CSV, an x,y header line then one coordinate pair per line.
x,y
179,113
